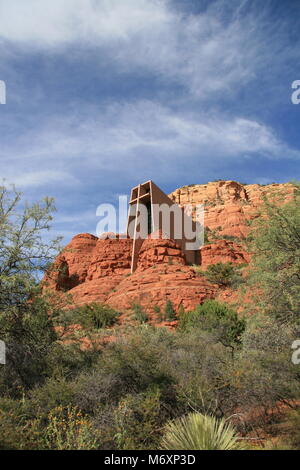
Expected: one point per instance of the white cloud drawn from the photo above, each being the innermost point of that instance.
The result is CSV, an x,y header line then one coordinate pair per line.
x,y
50,24
142,135
212,54
203,52
38,178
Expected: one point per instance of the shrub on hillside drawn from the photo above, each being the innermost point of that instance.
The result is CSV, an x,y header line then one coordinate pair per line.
x,y
92,316
274,378
138,421
275,265
219,319
139,314
223,274
69,429
169,312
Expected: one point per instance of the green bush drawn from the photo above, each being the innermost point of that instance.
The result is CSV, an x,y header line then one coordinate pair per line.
x,y
135,360
29,336
138,421
139,314
292,440
274,378
69,429
17,432
169,311
219,319
160,315
275,265
69,360
53,393
181,311
93,316
223,274
128,393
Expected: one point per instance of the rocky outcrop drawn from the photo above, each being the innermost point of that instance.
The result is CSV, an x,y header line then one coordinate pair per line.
x,y
158,284
71,267
110,257
228,205
159,251
93,269
223,251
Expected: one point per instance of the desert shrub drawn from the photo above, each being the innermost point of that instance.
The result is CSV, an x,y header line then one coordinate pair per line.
x,y
139,314
53,393
138,421
264,334
291,438
274,378
202,369
199,432
93,316
130,364
216,318
95,389
69,360
224,274
149,376
181,311
258,391
15,432
135,360
25,325
159,313
275,265
69,429
29,336
169,311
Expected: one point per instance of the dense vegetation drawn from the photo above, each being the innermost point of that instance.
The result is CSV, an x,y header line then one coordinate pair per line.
x,y
275,242
148,386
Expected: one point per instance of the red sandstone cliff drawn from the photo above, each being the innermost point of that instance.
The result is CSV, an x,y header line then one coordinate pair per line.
x,y
229,205
93,269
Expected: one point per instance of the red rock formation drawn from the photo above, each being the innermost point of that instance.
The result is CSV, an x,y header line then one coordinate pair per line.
x,y
229,205
223,251
78,254
96,290
159,283
70,267
93,269
159,251
109,257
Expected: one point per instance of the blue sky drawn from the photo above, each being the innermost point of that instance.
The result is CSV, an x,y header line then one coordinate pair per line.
x,y
104,94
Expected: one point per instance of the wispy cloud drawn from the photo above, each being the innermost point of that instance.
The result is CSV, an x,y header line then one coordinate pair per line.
x,y
40,178
204,52
142,133
104,93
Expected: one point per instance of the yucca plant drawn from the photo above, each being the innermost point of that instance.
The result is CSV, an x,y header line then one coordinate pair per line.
x,y
199,432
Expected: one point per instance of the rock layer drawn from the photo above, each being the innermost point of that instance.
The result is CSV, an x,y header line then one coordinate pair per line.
x,y
228,205
98,270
